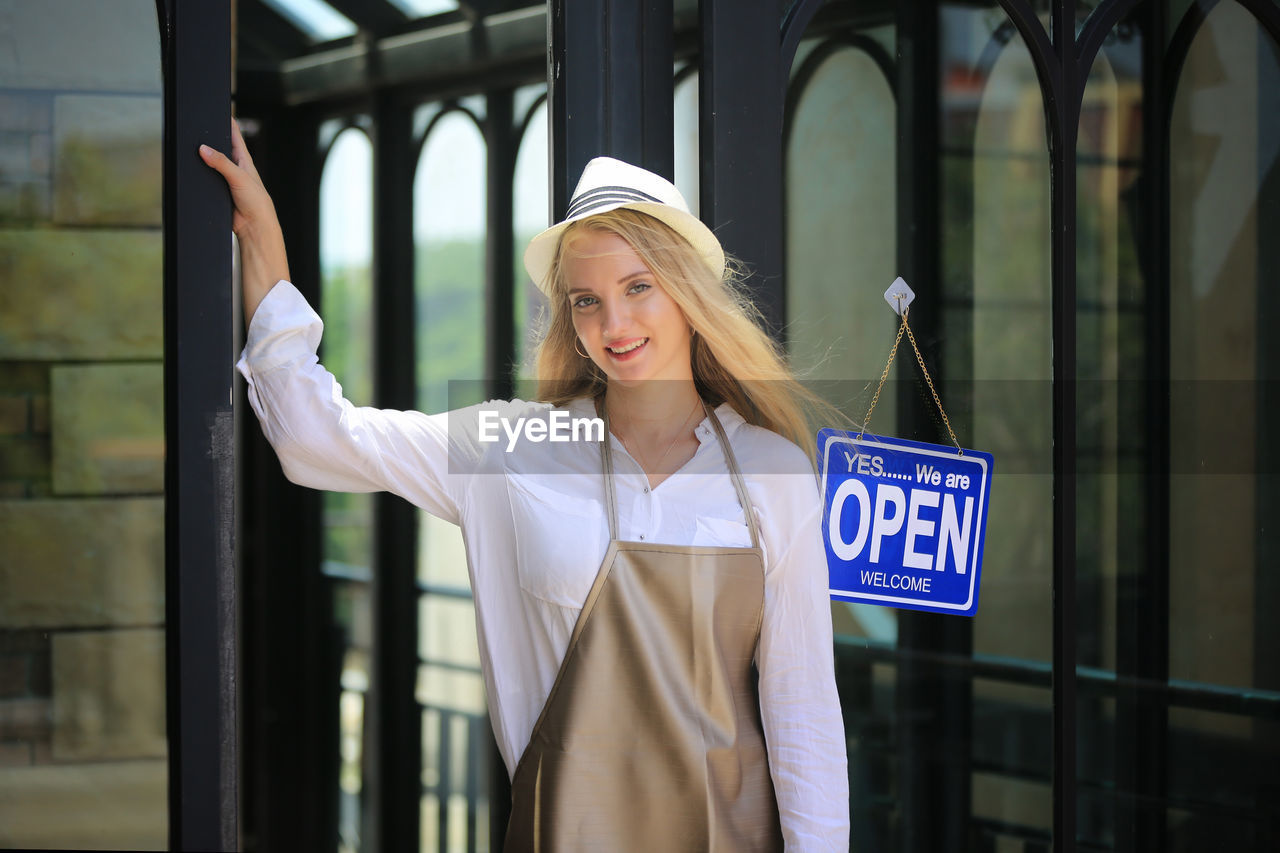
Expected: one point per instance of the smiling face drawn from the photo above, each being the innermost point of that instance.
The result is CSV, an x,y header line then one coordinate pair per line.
x,y
628,324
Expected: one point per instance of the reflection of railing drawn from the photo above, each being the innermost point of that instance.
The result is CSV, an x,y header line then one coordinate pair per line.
x,y
457,786
1194,695
349,666
455,762
1010,741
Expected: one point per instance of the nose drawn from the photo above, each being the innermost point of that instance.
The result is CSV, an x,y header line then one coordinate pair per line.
x,y
614,317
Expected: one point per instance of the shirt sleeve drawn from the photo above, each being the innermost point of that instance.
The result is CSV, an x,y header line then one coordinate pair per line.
x,y
325,442
799,705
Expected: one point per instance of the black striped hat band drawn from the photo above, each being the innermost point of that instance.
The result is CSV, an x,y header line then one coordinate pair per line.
x,y
603,197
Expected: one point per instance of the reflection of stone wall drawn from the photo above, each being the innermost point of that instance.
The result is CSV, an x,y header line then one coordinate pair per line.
x,y
82,698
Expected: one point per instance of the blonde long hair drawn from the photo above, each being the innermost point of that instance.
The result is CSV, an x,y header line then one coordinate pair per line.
x,y
733,359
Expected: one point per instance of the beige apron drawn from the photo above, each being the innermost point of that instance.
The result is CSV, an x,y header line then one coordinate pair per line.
x,y
650,739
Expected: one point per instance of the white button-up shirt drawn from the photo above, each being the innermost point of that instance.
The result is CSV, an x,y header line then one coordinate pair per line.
x,y
535,529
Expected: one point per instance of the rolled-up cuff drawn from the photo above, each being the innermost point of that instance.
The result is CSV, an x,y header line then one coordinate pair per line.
x,y
284,330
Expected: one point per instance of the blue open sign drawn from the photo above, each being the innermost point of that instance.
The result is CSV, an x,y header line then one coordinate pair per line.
x,y
903,522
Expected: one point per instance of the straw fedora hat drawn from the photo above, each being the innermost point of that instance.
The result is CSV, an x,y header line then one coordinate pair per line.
x,y
609,184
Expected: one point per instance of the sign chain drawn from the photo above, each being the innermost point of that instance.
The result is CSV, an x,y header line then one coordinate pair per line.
x,y
885,375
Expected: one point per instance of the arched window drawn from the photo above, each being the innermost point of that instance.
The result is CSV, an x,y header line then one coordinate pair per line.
x,y
532,208
1004,171
841,227
449,284
346,301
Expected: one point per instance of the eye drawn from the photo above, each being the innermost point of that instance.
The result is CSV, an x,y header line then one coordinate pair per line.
x,y
584,302
639,287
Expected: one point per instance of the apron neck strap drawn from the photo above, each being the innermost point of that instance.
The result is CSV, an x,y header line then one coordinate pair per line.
x,y
735,473
606,455
739,484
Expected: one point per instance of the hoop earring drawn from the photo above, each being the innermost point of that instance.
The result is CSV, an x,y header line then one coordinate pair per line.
x,y
578,351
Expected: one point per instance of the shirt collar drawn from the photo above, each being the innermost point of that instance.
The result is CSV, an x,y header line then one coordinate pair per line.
x,y
705,432
729,419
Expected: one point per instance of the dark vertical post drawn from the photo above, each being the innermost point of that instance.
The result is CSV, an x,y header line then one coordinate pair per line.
x,y
395,717
1266,667
503,136
500,333
1142,636
934,700
200,609
1064,120
290,784
610,93
741,102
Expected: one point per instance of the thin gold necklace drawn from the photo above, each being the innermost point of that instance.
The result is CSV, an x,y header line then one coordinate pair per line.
x,y
635,451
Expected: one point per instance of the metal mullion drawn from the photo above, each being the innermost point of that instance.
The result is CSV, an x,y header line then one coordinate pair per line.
x,y
1146,736
503,132
1266,632
1054,58
610,93
290,786
794,24
644,29
396,726
741,105
1064,122
934,701
574,100
200,595
502,143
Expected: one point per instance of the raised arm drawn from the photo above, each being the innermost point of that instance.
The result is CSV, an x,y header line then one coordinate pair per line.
x,y
263,260
321,439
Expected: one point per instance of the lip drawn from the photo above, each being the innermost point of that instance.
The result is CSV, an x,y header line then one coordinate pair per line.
x,y
629,355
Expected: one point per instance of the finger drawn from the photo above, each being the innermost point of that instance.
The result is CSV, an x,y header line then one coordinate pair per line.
x,y
238,147
219,162
239,150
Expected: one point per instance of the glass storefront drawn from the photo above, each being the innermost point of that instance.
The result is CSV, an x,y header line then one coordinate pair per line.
x,y
346,300
950,721
83,744
449,242
1179,156
920,139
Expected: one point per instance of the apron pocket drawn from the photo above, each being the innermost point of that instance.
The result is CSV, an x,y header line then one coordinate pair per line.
x,y
560,540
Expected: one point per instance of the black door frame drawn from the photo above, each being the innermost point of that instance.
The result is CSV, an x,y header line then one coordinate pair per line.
x,y
200,591
745,49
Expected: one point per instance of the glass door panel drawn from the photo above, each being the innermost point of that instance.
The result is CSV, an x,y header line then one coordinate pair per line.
x,y
918,141
449,238
1179,148
83,744
346,303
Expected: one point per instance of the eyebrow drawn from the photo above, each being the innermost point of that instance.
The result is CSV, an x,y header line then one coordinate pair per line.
x,y
623,280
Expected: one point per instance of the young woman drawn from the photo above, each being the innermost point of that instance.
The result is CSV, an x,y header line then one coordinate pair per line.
x,y
651,600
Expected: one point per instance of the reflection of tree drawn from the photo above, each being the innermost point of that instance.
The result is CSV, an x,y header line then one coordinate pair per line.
x,y
114,180
450,319
450,307
347,348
